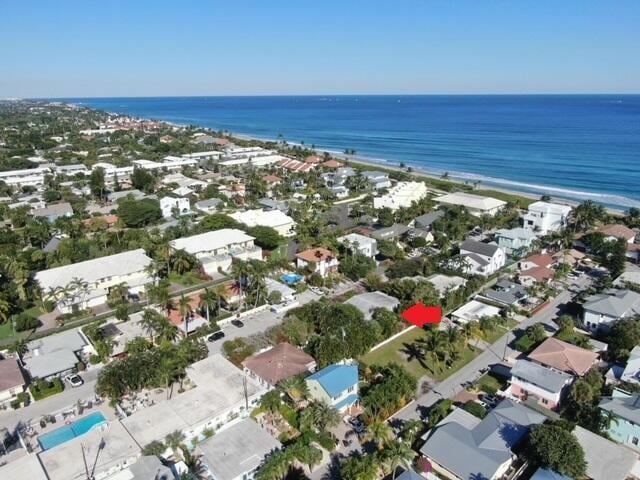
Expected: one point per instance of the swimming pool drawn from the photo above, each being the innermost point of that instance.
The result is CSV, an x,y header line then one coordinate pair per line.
x,y
291,278
69,432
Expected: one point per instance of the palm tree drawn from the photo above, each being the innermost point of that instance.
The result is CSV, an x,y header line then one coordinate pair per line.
x,y
184,307
324,415
149,323
380,432
208,300
5,309
174,439
395,454
193,463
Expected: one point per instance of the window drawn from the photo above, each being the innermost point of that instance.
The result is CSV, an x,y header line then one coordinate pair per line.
x,y
634,440
545,401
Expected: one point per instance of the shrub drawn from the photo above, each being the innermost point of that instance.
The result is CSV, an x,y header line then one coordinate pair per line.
x,y
25,322
45,388
475,409
81,367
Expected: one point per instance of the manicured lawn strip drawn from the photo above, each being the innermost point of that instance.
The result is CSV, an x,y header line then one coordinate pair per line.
x,y
490,383
500,331
43,389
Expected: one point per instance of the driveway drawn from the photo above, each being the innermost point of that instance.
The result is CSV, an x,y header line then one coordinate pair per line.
x,y
329,469
494,353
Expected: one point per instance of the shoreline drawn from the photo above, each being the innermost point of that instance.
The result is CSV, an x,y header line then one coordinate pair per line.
x,y
476,181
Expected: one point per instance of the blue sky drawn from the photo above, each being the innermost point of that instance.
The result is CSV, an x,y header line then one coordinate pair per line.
x,y
257,47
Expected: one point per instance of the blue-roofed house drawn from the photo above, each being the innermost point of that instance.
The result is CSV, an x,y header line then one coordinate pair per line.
x,y
336,385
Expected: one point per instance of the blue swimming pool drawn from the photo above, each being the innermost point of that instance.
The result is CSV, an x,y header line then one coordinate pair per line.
x,y
69,432
291,278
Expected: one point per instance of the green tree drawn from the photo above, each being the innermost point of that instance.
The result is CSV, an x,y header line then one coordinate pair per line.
x,y
359,468
96,183
556,448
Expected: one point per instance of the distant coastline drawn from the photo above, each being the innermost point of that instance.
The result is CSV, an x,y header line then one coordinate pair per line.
x,y
593,157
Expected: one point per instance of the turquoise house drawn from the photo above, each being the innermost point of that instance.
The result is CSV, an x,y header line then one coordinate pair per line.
x,y
336,385
625,428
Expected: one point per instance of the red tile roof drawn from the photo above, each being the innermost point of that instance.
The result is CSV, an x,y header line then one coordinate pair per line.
x,y
315,254
272,179
10,374
564,356
313,159
332,164
279,363
617,230
542,260
539,274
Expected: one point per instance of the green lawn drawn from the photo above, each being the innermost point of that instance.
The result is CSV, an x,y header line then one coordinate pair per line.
x,y
396,351
489,383
187,279
500,331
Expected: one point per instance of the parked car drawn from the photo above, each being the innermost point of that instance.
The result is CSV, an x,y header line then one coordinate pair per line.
x,y
74,380
215,336
237,323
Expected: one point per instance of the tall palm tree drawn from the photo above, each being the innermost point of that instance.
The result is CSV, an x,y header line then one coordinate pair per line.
x,y
184,307
174,439
149,323
379,432
397,454
324,415
208,300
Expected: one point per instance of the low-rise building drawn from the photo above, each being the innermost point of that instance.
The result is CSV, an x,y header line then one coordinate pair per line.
x,y
617,231
216,249
377,179
625,409
402,195
279,221
426,221
87,284
320,260
564,357
12,381
629,373
601,310
54,211
177,206
356,243
56,354
238,452
475,204
481,258
208,206
506,293
446,283
335,385
275,364
547,386
515,241
546,217
473,311
367,303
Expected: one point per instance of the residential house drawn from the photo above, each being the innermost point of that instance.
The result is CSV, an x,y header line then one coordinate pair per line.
x,y
464,447
605,459
546,217
87,284
425,222
279,221
275,364
564,357
208,206
618,231
377,179
339,191
218,393
629,373
533,381
189,323
134,194
481,258
270,204
174,206
394,232
625,409
54,211
321,260
288,294
536,269
506,293
336,385
356,243
473,311
515,241
403,194
475,204
56,354
238,452
367,303
296,165
12,381
601,310
216,249
446,283
332,164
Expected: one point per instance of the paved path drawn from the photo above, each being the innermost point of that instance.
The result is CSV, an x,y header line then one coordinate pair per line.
x,y
495,353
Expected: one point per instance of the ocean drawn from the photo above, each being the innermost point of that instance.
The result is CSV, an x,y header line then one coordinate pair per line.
x,y
576,147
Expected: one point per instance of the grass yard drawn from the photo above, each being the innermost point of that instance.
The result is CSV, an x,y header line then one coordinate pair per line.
x,y
500,331
398,351
522,202
187,279
490,383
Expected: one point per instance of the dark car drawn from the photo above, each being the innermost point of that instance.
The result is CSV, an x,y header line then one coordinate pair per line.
x,y
237,323
216,336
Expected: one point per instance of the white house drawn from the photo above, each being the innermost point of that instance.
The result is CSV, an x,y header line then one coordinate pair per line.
x,y
481,258
279,221
357,243
600,311
401,195
475,204
377,179
546,217
177,205
546,386
87,284
474,311
324,261
216,249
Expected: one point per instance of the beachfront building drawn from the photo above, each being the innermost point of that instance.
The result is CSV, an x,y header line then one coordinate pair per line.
x,y
403,194
546,217
601,310
319,260
222,393
515,241
481,258
377,179
174,206
617,231
356,243
279,221
475,204
87,284
238,452
335,385
216,249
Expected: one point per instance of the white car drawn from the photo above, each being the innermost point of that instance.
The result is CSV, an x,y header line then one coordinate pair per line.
x,y
74,380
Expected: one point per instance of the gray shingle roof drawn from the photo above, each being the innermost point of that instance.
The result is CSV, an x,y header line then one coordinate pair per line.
x,y
477,453
428,218
614,303
543,377
624,407
480,248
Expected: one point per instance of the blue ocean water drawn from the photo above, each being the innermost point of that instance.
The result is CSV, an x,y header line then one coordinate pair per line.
x,y
572,146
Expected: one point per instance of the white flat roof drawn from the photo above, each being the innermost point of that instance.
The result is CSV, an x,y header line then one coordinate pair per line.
x,y
91,271
356,238
51,364
208,241
468,200
475,310
26,467
548,207
265,218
